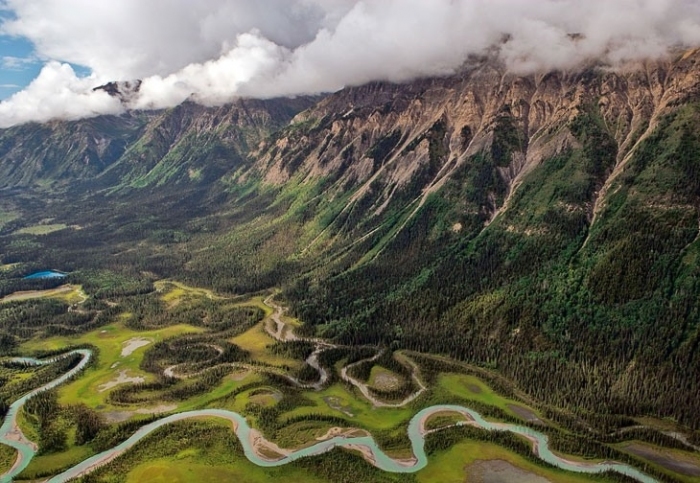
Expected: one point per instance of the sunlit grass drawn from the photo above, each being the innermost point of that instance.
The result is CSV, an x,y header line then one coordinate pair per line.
x,y
256,341
70,294
110,341
364,414
472,388
8,455
385,380
41,229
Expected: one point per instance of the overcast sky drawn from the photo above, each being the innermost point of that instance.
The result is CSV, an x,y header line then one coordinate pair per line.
x,y
53,52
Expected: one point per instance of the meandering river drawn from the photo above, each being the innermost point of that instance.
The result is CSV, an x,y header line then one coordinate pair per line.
x,y
11,435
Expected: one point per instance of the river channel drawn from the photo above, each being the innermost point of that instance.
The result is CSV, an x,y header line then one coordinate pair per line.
x,y
11,435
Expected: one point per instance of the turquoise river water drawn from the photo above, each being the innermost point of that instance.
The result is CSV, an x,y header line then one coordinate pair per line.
x,y
12,436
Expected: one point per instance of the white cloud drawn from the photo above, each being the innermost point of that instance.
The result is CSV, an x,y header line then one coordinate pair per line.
x,y
216,50
57,93
10,62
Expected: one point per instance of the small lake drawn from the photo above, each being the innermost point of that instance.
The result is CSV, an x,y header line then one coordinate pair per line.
x,y
46,274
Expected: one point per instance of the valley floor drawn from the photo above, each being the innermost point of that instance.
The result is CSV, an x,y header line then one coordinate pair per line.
x,y
217,357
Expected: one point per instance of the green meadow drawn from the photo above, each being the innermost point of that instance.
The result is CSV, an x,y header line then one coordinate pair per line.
x,y
41,229
112,342
70,294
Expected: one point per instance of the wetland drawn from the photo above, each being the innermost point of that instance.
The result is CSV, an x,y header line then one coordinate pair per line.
x,y
240,362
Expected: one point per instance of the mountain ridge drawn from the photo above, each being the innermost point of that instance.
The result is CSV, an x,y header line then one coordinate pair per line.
x,y
543,225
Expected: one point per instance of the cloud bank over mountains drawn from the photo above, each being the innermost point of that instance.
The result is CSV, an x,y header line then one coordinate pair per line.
x,y
215,51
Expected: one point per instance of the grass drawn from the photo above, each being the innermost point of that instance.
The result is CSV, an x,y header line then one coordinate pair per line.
x,y
659,424
56,462
213,397
385,380
8,455
109,339
182,471
41,229
29,430
239,402
191,463
443,420
297,435
70,294
6,217
364,414
170,458
256,341
175,292
258,302
472,388
449,466
190,468
267,396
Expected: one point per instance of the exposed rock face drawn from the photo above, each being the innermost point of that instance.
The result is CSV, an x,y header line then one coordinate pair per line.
x,y
123,90
379,131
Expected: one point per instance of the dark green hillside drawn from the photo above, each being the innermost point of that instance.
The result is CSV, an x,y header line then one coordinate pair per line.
x,y
599,317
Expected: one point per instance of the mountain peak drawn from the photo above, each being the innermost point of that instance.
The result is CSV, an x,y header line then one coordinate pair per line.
x,y
124,90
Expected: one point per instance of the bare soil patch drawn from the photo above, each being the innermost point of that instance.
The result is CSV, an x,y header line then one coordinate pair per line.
x,y
239,374
499,471
122,378
666,459
119,416
335,403
525,413
32,294
386,382
474,388
132,344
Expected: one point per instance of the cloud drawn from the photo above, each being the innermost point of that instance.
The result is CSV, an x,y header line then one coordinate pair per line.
x,y
57,93
10,62
217,50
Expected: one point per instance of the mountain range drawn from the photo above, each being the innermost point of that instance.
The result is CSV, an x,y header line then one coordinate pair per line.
x,y
542,225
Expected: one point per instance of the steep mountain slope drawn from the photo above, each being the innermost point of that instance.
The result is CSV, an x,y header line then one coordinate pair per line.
x,y
545,225
140,148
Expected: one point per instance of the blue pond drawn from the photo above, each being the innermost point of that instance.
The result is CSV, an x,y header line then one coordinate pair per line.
x,y
46,274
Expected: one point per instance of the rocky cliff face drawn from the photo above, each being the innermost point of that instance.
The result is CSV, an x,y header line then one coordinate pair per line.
x,y
383,133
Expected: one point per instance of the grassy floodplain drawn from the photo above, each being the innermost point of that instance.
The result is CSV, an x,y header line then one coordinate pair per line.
x,y
453,465
291,417
258,343
472,388
112,341
7,457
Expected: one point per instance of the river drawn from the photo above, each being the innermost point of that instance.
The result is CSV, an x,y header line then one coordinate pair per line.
x,y
11,435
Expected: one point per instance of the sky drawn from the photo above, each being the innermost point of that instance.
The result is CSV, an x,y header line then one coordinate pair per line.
x,y
18,66
54,52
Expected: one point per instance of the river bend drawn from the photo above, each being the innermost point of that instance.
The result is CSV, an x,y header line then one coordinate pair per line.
x,y
11,435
